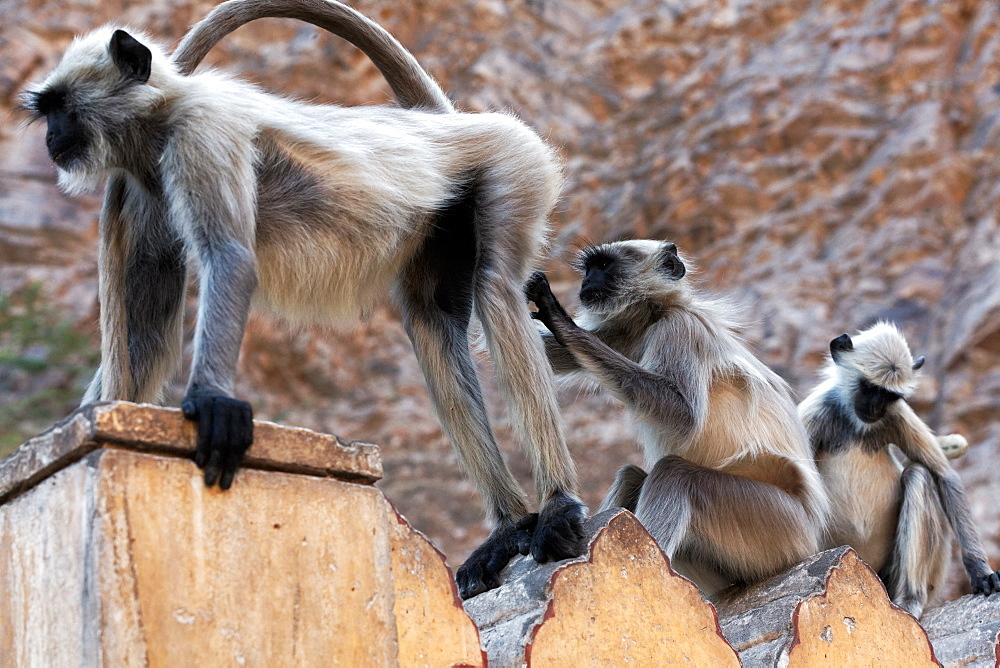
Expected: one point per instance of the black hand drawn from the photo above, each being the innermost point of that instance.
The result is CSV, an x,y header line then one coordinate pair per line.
x,y
537,289
550,311
225,432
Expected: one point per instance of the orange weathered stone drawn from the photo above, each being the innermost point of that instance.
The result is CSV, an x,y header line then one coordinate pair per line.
x,y
853,623
623,605
114,552
432,627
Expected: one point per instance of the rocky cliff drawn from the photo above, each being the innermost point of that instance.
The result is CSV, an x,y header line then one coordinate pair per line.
x,y
828,163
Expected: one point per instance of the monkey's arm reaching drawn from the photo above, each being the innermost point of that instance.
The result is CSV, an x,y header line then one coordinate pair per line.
x,y
919,444
142,280
663,393
212,205
560,358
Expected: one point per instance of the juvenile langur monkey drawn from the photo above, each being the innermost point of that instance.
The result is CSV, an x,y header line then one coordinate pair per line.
x,y
894,514
732,494
315,213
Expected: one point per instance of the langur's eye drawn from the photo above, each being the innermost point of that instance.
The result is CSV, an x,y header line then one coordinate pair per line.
x,y
49,101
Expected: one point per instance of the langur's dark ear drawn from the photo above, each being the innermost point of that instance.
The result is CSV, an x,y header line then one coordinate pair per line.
x,y
670,263
840,345
919,362
130,56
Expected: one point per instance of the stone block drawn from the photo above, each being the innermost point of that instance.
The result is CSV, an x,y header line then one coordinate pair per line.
x,y
113,552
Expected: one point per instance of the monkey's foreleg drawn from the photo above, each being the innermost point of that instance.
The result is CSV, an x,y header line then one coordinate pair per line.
x,y
210,185
983,578
154,303
919,445
921,548
142,280
550,312
664,394
560,359
624,492
742,529
225,424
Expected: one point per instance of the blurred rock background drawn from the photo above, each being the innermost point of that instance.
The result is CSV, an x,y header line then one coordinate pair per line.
x,y
829,163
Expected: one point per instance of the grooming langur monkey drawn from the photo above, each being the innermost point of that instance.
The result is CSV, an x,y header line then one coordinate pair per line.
x,y
314,213
893,514
732,494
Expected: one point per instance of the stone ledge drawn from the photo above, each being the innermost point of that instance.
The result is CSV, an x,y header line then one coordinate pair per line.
x,y
966,631
123,556
97,494
147,428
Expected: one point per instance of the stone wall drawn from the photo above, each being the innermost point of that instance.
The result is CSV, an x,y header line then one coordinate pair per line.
x,y
305,562
827,162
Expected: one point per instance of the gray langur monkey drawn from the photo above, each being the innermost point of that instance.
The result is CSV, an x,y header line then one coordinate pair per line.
x,y
732,494
893,513
314,213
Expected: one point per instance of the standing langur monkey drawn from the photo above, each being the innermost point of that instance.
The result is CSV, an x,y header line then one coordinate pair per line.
x,y
893,514
732,494
314,213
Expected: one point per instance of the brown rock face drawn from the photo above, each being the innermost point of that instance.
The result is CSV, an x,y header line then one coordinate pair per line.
x,y
829,163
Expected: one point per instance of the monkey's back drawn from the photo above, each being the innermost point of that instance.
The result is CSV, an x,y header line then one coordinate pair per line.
x,y
347,195
750,410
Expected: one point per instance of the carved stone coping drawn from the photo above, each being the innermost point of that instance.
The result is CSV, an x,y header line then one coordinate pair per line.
x,y
829,610
145,428
619,604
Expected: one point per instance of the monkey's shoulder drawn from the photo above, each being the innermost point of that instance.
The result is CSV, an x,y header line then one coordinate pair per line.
x,y
831,426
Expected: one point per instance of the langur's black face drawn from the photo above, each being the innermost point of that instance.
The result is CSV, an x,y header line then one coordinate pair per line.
x,y
871,402
602,274
67,139
612,271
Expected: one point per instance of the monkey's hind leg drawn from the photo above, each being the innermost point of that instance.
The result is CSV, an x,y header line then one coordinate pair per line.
x,y
525,378
624,492
921,548
435,295
742,530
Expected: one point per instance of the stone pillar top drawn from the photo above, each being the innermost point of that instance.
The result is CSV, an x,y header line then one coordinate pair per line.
x,y
165,431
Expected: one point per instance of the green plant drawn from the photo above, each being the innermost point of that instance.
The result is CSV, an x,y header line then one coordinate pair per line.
x,y
45,364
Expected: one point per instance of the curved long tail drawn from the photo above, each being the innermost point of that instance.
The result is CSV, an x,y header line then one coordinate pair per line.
x,y
412,86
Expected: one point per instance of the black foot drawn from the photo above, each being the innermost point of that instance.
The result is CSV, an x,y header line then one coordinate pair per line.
x,y
559,533
225,432
481,571
987,584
